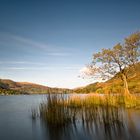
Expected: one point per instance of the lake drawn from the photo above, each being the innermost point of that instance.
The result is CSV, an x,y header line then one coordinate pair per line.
x,y
16,123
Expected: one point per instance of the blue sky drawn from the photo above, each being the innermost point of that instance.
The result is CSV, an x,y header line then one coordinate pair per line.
x,y
50,41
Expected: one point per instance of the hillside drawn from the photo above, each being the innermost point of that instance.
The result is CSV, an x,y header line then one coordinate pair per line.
x,y
11,87
115,84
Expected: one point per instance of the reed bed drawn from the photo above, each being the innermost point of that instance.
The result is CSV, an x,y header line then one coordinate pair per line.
x,y
61,110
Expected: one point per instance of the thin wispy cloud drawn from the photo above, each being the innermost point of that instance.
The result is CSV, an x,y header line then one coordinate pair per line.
x,y
59,54
24,68
42,68
4,37
22,62
16,40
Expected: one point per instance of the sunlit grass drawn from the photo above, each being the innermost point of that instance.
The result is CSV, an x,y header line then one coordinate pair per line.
x,y
60,110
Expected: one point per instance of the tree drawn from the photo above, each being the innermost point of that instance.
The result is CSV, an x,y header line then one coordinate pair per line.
x,y
120,59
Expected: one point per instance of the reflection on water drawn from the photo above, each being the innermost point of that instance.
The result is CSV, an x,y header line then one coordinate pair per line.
x,y
102,122
106,123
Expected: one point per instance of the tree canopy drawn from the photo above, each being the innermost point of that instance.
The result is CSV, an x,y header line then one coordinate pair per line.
x,y
109,62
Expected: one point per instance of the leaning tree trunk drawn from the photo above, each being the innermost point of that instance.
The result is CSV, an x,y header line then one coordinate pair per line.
x,y
126,90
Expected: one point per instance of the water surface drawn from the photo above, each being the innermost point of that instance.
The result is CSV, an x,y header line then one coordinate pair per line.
x,y
16,123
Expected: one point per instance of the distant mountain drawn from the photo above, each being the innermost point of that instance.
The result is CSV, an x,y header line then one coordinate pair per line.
x,y
115,84
11,87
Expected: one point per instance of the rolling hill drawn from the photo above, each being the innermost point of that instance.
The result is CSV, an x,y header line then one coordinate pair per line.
x,y
115,84
11,87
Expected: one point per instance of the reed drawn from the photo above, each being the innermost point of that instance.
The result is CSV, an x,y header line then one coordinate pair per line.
x,y
61,110
54,111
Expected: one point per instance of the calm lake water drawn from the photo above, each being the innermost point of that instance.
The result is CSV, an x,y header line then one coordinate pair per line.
x,y
16,123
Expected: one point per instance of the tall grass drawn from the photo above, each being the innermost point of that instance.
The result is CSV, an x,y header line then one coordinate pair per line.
x,y
64,111
54,111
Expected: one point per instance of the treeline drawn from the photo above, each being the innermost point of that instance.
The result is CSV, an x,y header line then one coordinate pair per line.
x,y
34,91
10,92
37,90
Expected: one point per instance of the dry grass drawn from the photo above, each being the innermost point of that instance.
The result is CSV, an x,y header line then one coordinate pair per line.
x,y
61,110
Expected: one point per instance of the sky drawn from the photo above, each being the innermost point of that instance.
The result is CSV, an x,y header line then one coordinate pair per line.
x,y
50,41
